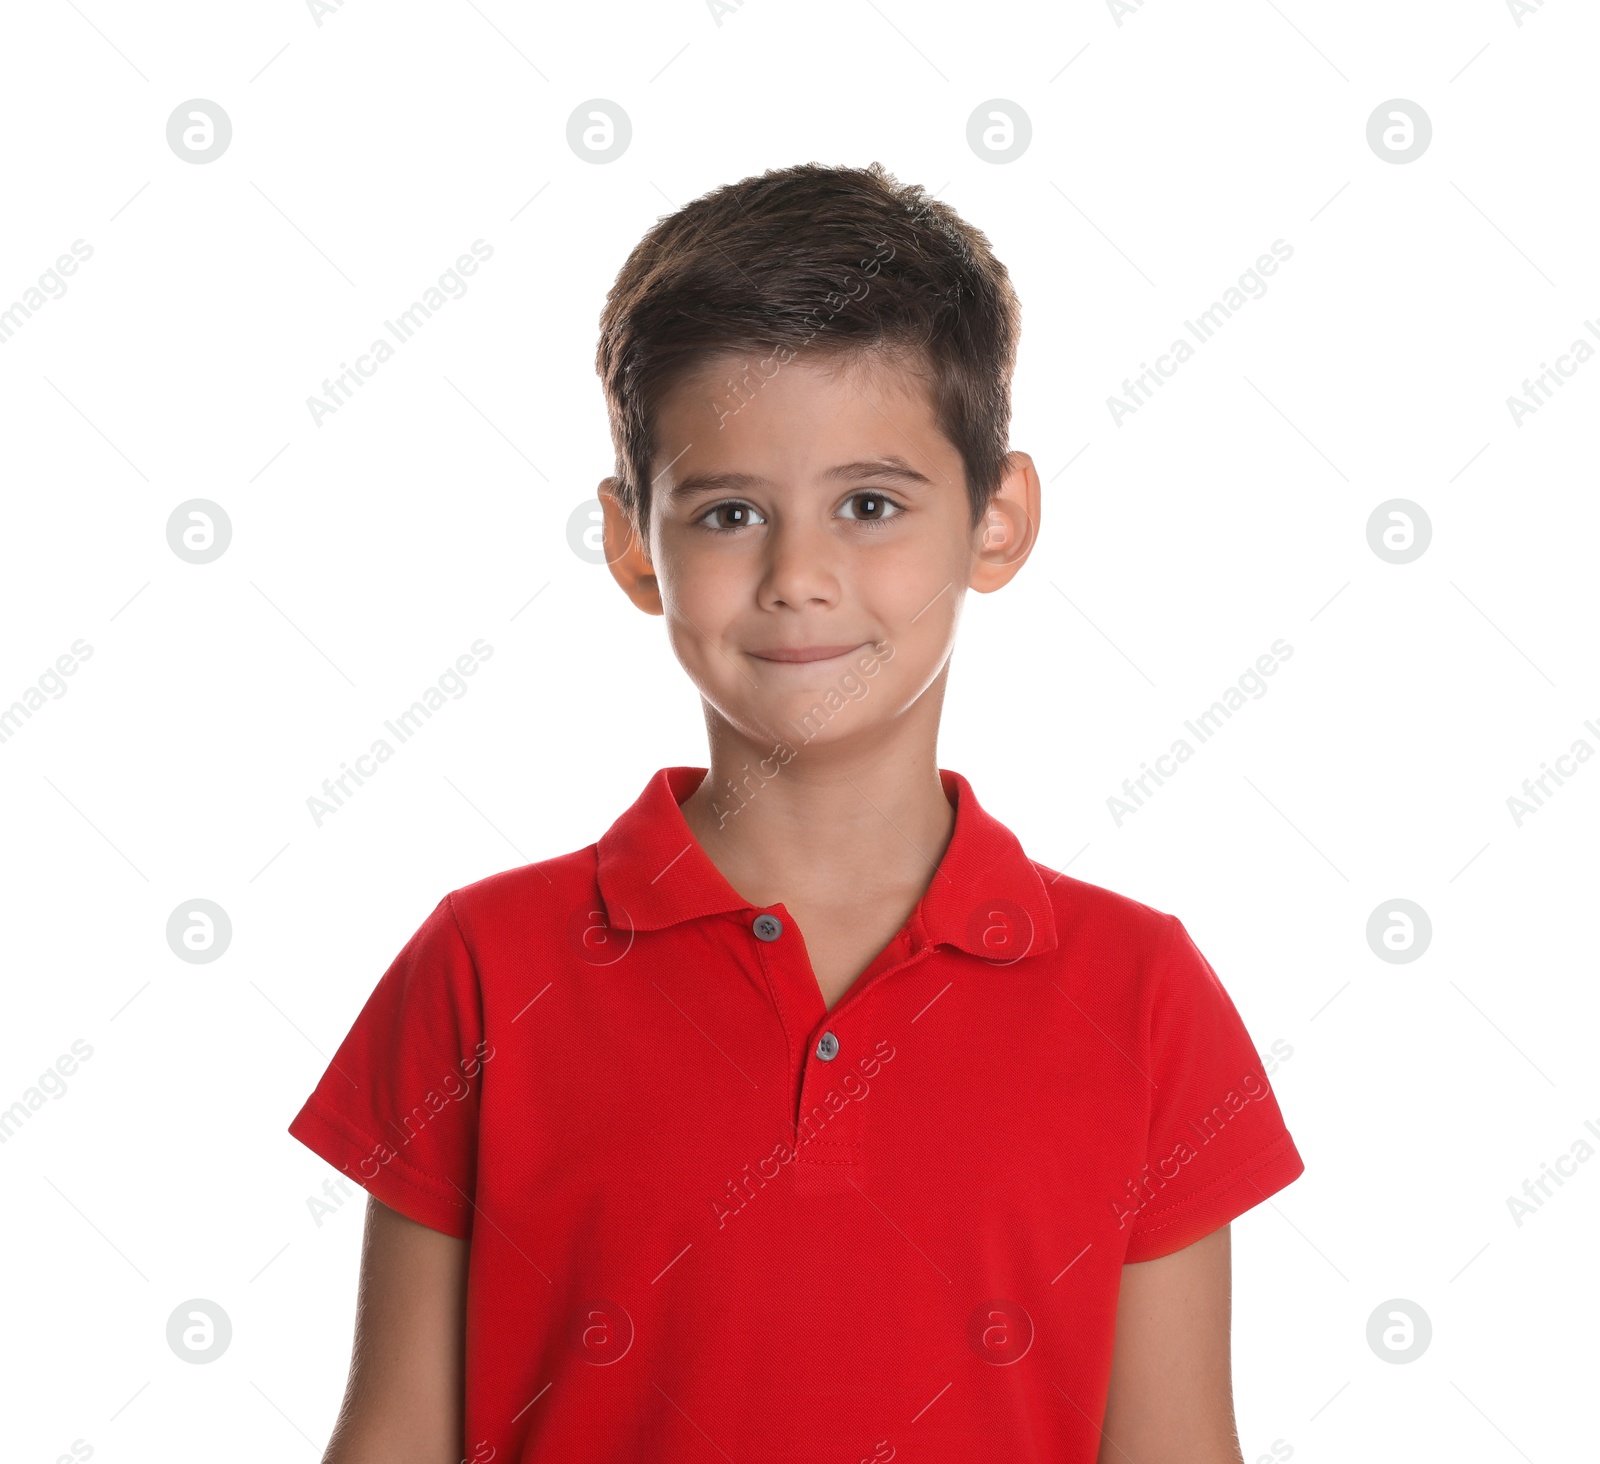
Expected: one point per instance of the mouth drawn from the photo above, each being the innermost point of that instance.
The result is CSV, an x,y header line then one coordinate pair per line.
x,y
805,655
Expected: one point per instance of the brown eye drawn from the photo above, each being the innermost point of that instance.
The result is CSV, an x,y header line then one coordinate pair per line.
x,y
871,508
724,518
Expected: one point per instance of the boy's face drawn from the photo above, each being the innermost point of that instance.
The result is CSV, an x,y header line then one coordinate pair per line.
x,y
810,545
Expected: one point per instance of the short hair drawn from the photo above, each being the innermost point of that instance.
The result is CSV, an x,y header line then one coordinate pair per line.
x,y
778,261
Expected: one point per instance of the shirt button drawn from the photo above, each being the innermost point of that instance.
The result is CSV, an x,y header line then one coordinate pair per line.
x,y
828,1047
767,927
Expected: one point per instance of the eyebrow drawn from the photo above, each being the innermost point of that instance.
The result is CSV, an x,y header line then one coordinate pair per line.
x,y
892,466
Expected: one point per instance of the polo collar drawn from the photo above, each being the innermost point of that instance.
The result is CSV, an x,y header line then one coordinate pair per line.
x,y
986,897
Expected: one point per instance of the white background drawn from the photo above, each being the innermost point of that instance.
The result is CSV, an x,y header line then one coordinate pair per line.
x,y
1168,152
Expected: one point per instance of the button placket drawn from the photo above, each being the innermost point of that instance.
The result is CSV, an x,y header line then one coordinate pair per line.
x,y
767,927
834,1151
831,1157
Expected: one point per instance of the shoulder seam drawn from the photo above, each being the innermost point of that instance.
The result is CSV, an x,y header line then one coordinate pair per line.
x,y
1164,961
455,919
472,959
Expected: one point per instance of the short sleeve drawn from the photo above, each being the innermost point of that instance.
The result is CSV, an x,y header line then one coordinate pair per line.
x,y
1217,1144
397,1109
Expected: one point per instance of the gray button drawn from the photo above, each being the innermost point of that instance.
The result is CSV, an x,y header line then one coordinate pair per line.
x,y
828,1047
767,927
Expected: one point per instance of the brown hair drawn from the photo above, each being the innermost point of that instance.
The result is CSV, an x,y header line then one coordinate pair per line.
x,y
837,262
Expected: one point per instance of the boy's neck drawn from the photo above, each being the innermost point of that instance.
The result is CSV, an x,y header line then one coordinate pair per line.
x,y
835,823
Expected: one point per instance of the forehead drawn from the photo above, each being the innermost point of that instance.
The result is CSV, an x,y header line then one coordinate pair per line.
x,y
810,417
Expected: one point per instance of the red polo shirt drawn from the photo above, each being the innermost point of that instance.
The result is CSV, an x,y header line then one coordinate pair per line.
x,y
712,1221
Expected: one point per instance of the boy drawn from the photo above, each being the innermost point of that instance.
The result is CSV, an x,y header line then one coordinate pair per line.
x,y
802,1116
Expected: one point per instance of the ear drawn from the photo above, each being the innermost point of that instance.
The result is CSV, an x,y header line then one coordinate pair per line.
x,y
626,556
1005,536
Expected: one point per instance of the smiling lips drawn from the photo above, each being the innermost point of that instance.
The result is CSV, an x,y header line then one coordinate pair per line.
x,y
800,654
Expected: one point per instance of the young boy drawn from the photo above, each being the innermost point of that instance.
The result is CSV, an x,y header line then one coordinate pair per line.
x,y
802,1116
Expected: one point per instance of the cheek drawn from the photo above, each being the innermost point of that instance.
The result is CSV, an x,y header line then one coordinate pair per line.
x,y
917,611
916,592
702,593
693,574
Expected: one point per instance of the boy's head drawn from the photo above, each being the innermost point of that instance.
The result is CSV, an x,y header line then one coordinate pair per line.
x,y
808,380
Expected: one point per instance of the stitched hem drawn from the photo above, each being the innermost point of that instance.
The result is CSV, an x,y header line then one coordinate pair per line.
x,y
399,1185
1246,1185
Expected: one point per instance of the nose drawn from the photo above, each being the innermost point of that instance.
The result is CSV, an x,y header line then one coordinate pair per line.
x,y
798,569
